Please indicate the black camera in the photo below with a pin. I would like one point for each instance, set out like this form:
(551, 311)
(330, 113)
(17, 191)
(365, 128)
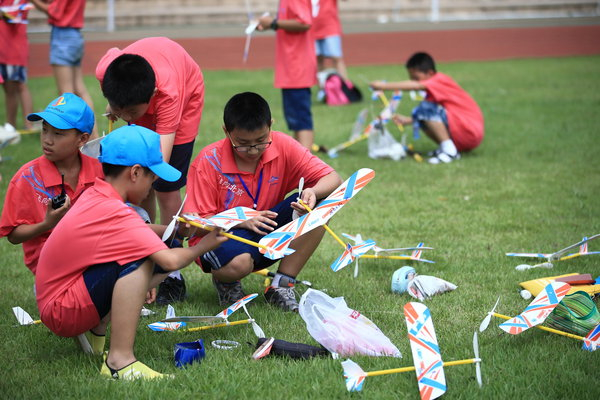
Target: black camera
(59, 201)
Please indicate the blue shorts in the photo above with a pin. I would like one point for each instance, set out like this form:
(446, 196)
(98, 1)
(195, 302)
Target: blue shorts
(66, 46)
(428, 111)
(296, 109)
(181, 155)
(331, 46)
(100, 280)
(16, 73)
(223, 254)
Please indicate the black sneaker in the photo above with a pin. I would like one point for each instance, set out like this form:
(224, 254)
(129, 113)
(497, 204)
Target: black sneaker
(228, 293)
(171, 290)
(282, 297)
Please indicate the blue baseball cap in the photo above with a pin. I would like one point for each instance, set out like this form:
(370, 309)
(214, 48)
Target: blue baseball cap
(67, 111)
(133, 144)
(400, 279)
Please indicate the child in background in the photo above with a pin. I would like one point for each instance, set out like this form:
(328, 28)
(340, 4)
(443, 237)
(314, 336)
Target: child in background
(106, 275)
(66, 45)
(327, 32)
(155, 83)
(14, 54)
(295, 64)
(28, 216)
(256, 167)
(448, 115)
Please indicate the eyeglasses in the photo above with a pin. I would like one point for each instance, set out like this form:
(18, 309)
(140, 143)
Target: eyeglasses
(246, 149)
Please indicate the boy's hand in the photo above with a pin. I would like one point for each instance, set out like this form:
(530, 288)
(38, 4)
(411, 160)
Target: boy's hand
(110, 115)
(402, 119)
(264, 22)
(377, 85)
(53, 216)
(212, 240)
(150, 296)
(309, 198)
(263, 224)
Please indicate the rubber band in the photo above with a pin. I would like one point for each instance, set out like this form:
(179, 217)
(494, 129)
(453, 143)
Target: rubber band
(225, 344)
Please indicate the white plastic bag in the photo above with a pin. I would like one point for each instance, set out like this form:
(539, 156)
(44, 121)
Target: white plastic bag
(423, 287)
(383, 145)
(342, 330)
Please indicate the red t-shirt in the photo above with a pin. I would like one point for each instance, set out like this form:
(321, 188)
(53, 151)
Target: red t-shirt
(66, 13)
(29, 193)
(177, 104)
(327, 21)
(465, 119)
(14, 46)
(295, 60)
(100, 228)
(213, 181)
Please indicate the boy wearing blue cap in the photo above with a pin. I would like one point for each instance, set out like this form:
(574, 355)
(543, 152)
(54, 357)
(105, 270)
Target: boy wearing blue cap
(110, 265)
(29, 214)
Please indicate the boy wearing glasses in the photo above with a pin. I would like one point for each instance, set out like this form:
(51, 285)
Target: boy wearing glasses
(256, 167)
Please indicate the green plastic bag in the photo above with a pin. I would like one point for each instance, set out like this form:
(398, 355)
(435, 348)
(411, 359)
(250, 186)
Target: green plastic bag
(576, 313)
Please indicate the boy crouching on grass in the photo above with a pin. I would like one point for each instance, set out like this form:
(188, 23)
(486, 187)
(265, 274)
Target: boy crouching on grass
(99, 262)
(28, 215)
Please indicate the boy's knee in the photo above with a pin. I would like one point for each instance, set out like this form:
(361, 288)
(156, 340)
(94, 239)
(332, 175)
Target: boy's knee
(241, 265)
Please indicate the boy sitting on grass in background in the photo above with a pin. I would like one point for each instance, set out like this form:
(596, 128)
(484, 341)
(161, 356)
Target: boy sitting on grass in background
(110, 265)
(448, 115)
(256, 167)
(28, 216)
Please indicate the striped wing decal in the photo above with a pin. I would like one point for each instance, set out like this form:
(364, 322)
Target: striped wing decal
(425, 351)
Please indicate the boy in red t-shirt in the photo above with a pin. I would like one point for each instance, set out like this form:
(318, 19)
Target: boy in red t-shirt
(29, 214)
(256, 167)
(295, 64)
(155, 83)
(110, 266)
(66, 45)
(327, 32)
(449, 116)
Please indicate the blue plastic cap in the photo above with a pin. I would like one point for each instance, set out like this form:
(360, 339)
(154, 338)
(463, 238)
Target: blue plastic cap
(400, 279)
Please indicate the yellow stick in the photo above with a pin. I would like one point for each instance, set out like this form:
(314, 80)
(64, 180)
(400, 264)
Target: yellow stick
(407, 369)
(386, 257)
(221, 325)
(569, 257)
(386, 103)
(229, 235)
(544, 328)
(327, 228)
(110, 125)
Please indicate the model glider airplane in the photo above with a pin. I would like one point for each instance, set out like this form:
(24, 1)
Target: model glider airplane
(557, 256)
(15, 14)
(23, 317)
(280, 239)
(351, 253)
(173, 323)
(538, 310)
(591, 341)
(427, 359)
(252, 25)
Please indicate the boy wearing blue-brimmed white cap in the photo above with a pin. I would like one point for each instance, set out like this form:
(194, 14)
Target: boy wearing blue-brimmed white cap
(110, 266)
(28, 215)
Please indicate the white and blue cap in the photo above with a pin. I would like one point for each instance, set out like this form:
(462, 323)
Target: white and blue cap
(133, 144)
(400, 279)
(67, 111)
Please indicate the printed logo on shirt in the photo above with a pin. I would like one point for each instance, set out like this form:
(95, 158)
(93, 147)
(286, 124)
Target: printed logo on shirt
(274, 180)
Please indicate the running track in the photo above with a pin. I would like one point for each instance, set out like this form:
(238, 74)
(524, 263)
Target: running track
(373, 48)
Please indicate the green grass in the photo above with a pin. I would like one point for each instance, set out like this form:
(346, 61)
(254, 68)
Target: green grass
(532, 186)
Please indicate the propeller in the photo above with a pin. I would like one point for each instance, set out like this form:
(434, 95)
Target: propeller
(257, 329)
(486, 321)
(477, 359)
(173, 223)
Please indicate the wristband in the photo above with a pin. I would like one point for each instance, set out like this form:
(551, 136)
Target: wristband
(274, 25)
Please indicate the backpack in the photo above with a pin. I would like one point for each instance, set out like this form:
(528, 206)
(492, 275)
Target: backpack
(339, 92)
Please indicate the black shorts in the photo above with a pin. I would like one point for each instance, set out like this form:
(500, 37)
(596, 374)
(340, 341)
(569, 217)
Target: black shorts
(181, 155)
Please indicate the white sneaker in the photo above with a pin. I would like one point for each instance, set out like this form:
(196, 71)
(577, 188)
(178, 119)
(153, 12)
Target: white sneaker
(9, 135)
(440, 157)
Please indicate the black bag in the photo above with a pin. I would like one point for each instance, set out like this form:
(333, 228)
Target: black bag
(294, 350)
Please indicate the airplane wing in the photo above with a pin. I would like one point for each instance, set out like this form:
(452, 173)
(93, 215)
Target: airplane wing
(209, 319)
(538, 310)
(351, 253)
(232, 217)
(237, 305)
(281, 238)
(167, 326)
(354, 375)
(591, 342)
(529, 255)
(425, 351)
